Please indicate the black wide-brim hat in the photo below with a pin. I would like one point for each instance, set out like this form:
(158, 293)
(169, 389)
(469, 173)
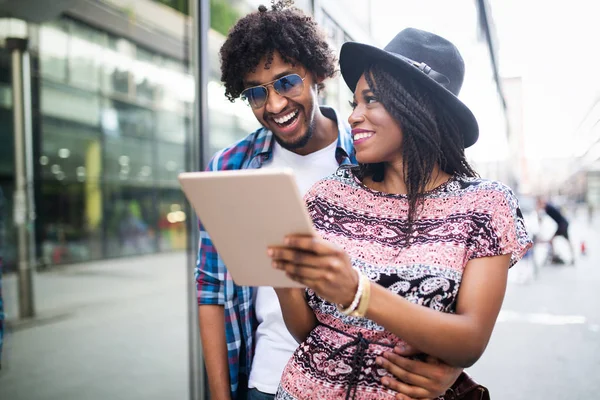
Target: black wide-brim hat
(423, 56)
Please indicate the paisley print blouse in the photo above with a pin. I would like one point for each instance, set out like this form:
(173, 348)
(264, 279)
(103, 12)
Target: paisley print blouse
(463, 219)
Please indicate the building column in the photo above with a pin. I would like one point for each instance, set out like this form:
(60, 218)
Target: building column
(24, 211)
(196, 156)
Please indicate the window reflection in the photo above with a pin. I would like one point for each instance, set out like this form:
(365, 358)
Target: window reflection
(113, 130)
(118, 62)
(171, 127)
(130, 220)
(129, 160)
(70, 215)
(53, 51)
(85, 50)
(171, 162)
(171, 223)
(146, 75)
(132, 120)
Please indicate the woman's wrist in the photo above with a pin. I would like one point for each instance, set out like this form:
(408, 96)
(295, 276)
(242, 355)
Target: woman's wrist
(349, 309)
(365, 298)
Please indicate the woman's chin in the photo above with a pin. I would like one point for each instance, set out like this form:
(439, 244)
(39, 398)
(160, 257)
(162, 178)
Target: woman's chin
(367, 159)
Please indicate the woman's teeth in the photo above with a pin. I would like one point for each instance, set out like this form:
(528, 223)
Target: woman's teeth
(363, 135)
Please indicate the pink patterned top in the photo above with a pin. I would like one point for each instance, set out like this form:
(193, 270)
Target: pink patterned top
(463, 219)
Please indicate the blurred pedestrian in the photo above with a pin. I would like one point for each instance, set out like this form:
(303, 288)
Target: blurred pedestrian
(277, 60)
(562, 229)
(400, 235)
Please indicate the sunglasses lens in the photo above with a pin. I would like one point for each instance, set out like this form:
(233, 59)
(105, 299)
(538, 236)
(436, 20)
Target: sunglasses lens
(290, 85)
(255, 96)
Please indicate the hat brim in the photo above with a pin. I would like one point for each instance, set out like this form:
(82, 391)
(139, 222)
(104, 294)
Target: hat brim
(355, 57)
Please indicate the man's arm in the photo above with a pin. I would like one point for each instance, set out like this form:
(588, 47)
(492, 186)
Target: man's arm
(214, 348)
(210, 281)
(299, 318)
(417, 379)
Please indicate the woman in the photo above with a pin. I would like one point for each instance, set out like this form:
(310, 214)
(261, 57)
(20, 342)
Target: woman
(400, 233)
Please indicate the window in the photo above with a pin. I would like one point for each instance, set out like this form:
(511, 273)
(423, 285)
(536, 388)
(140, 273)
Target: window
(129, 160)
(53, 51)
(85, 50)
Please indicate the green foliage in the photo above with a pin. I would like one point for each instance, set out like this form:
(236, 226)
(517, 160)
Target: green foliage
(222, 16)
(180, 5)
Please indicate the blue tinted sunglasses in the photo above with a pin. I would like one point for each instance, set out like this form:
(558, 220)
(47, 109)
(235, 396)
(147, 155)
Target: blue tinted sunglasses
(287, 86)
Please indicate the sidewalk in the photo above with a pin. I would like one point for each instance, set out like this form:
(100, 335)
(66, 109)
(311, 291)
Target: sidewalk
(115, 329)
(546, 343)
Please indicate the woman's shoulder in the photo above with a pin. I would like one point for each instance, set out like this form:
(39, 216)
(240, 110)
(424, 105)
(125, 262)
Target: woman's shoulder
(339, 181)
(343, 176)
(484, 190)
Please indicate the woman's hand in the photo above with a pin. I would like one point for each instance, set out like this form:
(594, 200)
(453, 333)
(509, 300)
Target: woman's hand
(319, 265)
(425, 379)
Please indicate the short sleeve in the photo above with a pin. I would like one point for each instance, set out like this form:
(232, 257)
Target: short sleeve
(499, 227)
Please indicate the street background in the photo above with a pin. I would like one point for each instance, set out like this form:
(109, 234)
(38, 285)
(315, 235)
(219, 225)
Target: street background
(95, 344)
(105, 97)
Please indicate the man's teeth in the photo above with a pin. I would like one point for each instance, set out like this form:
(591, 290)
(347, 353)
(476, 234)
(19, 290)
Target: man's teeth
(363, 135)
(286, 118)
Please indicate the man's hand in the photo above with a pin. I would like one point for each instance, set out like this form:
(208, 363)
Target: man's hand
(416, 379)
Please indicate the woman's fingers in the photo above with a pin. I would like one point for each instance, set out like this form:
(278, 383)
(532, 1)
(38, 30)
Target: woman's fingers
(311, 244)
(299, 271)
(295, 256)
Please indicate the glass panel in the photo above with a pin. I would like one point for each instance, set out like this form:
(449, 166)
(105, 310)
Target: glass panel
(172, 234)
(7, 149)
(130, 220)
(176, 86)
(85, 50)
(53, 51)
(130, 160)
(65, 102)
(124, 119)
(170, 127)
(67, 234)
(70, 215)
(171, 162)
(118, 64)
(146, 74)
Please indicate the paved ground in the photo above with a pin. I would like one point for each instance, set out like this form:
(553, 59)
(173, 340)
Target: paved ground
(546, 344)
(118, 330)
(107, 330)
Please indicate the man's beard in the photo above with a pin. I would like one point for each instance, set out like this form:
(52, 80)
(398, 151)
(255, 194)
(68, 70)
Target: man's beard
(300, 142)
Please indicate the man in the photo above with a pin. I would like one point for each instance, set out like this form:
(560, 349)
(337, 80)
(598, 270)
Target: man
(562, 227)
(277, 61)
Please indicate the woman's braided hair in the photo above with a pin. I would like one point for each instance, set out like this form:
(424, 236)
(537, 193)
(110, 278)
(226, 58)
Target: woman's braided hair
(283, 29)
(430, 134)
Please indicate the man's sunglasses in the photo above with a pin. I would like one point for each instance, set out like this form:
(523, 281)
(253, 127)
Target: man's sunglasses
(289, 86)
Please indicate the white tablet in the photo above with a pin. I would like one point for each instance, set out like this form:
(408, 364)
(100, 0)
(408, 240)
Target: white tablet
(246, 211)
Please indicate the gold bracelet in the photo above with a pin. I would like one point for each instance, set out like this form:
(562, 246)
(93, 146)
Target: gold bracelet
(363, 304)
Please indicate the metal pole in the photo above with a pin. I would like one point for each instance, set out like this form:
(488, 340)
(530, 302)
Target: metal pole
(197, 148)
(24, 212)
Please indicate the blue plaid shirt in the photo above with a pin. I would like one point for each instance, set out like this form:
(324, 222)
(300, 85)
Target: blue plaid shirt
(213, 282)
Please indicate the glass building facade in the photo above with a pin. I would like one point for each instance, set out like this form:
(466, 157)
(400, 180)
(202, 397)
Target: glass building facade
(111, 120)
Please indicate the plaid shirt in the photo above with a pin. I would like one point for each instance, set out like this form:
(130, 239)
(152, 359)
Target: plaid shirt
(213, 282)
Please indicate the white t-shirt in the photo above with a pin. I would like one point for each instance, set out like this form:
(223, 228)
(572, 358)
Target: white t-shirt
(274, 344)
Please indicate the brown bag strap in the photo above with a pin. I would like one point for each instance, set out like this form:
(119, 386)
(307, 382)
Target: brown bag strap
(465, 388)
